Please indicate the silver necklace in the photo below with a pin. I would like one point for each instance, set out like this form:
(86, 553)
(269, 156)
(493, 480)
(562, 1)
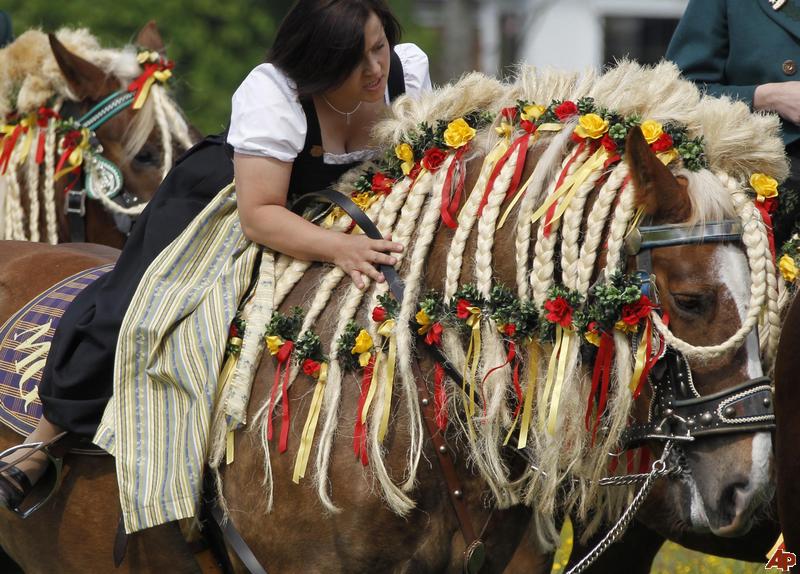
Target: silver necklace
(340, 112)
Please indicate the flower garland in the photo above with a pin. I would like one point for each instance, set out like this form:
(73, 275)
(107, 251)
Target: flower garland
(368, 188)
(282, 332)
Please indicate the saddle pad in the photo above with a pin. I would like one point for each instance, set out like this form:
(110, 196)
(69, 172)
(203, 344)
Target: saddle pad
(24, 344)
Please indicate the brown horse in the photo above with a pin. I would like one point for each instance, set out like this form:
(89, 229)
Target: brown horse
(70, 74)
(353, 529)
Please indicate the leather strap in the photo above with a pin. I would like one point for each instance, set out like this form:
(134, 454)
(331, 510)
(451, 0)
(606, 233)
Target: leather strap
(120, 543)
(236, 542)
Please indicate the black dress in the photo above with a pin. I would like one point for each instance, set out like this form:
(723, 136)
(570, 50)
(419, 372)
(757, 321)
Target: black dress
(77, 380)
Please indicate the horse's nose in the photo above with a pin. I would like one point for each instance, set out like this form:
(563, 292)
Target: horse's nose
(733, 508)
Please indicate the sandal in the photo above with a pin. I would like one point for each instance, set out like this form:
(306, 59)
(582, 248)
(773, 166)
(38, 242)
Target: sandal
(14, 485)
(45, 487)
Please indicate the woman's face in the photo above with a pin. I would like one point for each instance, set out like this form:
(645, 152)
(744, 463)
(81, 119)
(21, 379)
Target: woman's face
(367, 82)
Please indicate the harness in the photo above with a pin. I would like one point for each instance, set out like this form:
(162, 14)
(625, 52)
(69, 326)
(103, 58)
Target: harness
(101, 176)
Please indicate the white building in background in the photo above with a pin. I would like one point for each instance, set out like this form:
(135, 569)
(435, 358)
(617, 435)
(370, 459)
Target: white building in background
(569, 34)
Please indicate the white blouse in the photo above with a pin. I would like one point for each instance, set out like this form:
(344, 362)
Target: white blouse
(267, 118)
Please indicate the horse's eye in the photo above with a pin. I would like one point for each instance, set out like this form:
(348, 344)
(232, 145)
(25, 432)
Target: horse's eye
(146, 156)
(691, 303)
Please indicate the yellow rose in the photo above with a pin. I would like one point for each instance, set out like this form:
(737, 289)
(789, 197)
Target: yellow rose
(363, 343)
(764, 186)
(788, 268)
(274, 344)
(591, 126)
(593, 337)
(364, 200)
(458, 133)
(423, 321)
(667, 157)
(625, 328)
(532, 112)
(405, 153)
(651, 130)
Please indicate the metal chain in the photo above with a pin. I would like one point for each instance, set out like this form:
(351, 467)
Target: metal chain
(659, 469)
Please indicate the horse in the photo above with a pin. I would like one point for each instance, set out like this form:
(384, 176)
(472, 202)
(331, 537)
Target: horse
(83, 150)
(380, 501)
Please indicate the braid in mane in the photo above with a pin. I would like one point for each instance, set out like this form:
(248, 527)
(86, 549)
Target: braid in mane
(33, 192)
(49, 183)
(15, 214)
(163, 128)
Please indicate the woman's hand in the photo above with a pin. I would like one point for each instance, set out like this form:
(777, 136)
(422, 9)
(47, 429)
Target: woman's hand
(783, 98)
(359, 255)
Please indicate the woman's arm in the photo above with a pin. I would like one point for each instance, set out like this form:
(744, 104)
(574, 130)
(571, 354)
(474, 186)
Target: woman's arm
(262, 184)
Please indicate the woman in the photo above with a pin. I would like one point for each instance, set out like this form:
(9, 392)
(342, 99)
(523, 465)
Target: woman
(298, 122)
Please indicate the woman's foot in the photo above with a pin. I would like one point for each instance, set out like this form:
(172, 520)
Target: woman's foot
(17, 480)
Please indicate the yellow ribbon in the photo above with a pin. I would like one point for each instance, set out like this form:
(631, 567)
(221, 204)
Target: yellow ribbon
(641, 357)
(160, 76)
(551, 374)
(552, 127)
(471, 364)
(225, 376)
(27, 122)
(387, 330)
(527, 398)
(229, 455)
(310, 427)
(570, 185)
(558, 386)
(517, 196)
(637, 218)
(76, 157)
(274, 343)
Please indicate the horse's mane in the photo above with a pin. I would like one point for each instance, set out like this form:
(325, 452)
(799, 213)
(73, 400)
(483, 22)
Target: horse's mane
(30, 78)
(737, 143)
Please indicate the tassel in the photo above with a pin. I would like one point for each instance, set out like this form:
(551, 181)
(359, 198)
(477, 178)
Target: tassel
(284, 352)
(601, 376)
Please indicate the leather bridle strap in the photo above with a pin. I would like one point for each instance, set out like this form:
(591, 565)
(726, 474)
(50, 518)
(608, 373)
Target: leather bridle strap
(474, 555)
(236, 541)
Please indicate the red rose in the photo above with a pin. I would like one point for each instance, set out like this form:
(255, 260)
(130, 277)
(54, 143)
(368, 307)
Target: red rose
(381, 183)
(663, 143)
(433, 159)
(635, 312)
(434, 334)
(509, 114)
(559, 311)
(510, 329)
(566, 110)
(311, 367)
(379, 314)
(528, 126)
(608, 143)
(233, 331)
(462, 311)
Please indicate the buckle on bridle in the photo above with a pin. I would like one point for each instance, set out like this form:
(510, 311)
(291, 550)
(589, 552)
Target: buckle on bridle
(75, 202)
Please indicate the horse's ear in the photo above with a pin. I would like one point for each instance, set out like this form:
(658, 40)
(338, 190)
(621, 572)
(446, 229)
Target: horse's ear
(150, 38)
(662, 195)
(86, 80)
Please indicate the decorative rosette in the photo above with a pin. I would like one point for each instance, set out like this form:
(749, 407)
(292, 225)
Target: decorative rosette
(280, 338)
(308, 354)
(429, 326)
(156, 68)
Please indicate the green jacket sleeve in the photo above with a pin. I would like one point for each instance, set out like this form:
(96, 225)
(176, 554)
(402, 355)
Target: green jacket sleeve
(700, 48)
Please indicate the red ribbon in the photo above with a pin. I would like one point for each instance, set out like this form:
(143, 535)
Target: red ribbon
(8, 148)
(644, 459)
(651, 359)
(552, 210)
(282, 357)
(764, 210)
(43, 117)
(451, 196)
(150, 68)
(601, 377)
(360, 436)
(439, 397)
(520, 146)
(512, 353)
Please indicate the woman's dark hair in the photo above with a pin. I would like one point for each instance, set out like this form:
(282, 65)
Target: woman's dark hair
(320, 42)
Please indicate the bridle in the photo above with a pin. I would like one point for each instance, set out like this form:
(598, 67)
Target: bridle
(677, 411)
(100, 176)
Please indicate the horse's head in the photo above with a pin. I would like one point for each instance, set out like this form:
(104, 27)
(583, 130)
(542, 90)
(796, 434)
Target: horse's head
(704, 287)
(142, 143)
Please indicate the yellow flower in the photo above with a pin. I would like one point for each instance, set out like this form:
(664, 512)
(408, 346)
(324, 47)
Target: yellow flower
(363, 342)
(458, 133)
(788, 268)
(593, 337)
(591, 126)
(364, 200)
(423, 321)
(667, 157)
(532, 112)
(764, 186)
(504, 130)
(625, 328)
(651, 130)
(405, 153)
(274, 343)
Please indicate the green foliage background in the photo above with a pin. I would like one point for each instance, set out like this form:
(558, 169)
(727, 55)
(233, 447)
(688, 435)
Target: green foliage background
(214, 43)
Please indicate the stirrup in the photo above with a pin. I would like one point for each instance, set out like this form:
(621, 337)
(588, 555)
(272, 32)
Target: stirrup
(56, 465)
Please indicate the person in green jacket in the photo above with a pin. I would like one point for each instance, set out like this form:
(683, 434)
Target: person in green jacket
(747, 50)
